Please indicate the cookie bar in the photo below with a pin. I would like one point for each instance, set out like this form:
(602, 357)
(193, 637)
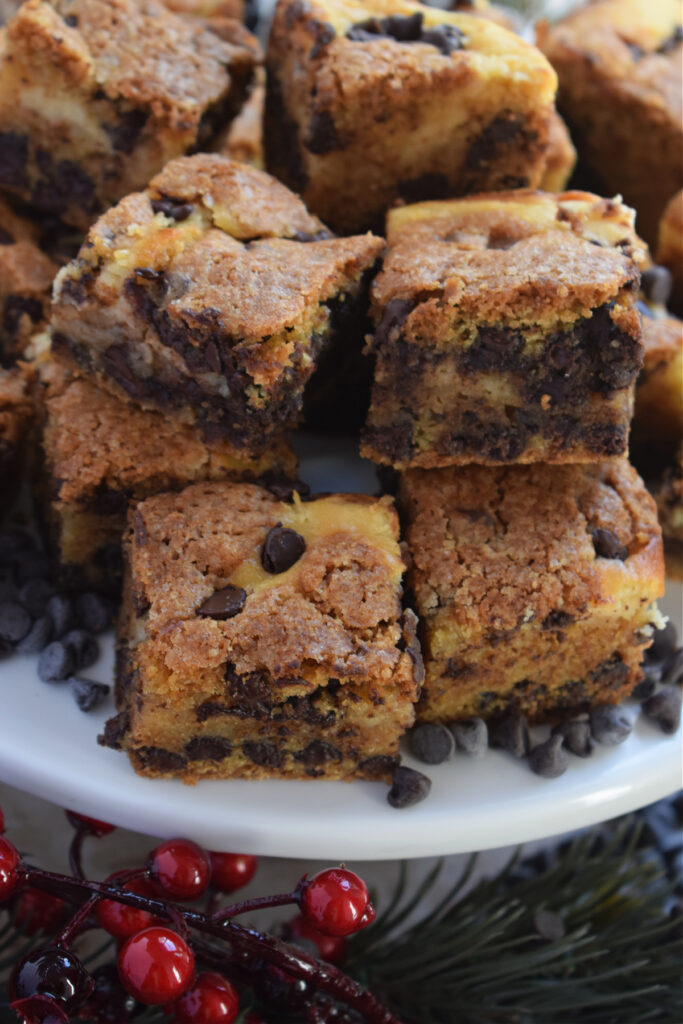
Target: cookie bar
(535, 586)
(560, 157)
(659, 392)
(244, 141)
(370, 103)
(26, 275)
(620, 88)
(210, 296)
(506, 330)
(17, 413)
(668, 492)
(102, 453)
(275, 645)
(670, 247)
(97, 95)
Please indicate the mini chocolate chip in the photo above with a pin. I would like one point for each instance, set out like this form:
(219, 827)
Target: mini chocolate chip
(84, 647)
(61, 611)
(577, 737)
(172, 208)
(432, 743)
(549, 925)
(71, 20)
(147, 273)
(656, 285)
(322, 136)
(55, 663)
(609, 725)
(15, 622)
(549, 759)
(664, 709)
(88, 694)
(283, 488)
(114, 731)
(282, 548)
(37, 638)
(408, 787)
(471, 737)
(607, 544)
(511, 734)
(673, 668)
(446, 38)
(208, 748)
(35, 594)
(652, 675)
(319, 752)
(664, 643)
(265, 754)
(224, 603)
(5, 237)
(94, 612)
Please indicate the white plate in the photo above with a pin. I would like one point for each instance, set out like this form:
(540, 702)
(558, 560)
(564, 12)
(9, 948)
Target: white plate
(47, 747)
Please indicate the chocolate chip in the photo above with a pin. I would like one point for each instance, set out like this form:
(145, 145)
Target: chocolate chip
(510, 733)
(322, 136)
(408, 787)
(664, 709)
(94, 612)
(655, 283)
(13, 157)
(87, 693)
(15, 622)
(446, 38)
(84, 648)
(283, 547)
(208, 748)
(283, 488)
(652, 675)
(265, 755)
(549, 759)
(549, 925)
(114, 730)
(664, 643)
(159, 759)
(224, 603)
(71, 20)
(37, 638)
(577, 736)
(673, 668)
(5, 237)
(147, 273)
(432, 743)
(172, 208)
(125, 133)
(607, 544)
(317, 236)
(35, 594)
(61, 611)
(557, 619)
(319, 752)
(404, 28)
(471, 737)
(55, 663)
(609, 725)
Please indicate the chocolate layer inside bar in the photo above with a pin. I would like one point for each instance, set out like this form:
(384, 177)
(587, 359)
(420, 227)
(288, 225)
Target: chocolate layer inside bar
(551, 389)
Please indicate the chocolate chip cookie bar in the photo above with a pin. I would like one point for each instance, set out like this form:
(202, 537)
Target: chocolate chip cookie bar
(668, 492)
(619, 64)
(17, 415)
(535, 586)
(370, 103)
(101, 453)
(97, 95)
(26, 275)
(670, 247)
(275, 645)
(659, 392)
(506, 330)
(210, 297)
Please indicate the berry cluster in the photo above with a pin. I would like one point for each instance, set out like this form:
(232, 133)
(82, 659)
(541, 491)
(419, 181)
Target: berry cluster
(168, 955)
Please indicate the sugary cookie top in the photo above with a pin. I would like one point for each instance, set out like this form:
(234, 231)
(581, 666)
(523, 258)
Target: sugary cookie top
(508, 545)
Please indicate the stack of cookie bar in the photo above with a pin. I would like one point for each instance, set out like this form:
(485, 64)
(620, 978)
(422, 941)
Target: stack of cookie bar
(202, 309)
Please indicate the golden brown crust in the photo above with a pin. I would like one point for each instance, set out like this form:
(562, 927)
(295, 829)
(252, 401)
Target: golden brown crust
(670, 247)
(659, 392)
(620, 69)
(500, 557)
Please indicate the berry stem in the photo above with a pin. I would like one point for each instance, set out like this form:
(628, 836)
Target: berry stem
(256, 903)
(76, 852)
(75, 925)
(246, 941)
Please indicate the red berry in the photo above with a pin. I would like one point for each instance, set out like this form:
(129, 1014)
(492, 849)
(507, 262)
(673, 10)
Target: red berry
(334, 901)
(93, 825)
(9, 868)
(180, 868)
(156, 966)
(212, 1000)
(36, 910)
(50, 975)
(231, 871)
(122, 921)
(331, 948)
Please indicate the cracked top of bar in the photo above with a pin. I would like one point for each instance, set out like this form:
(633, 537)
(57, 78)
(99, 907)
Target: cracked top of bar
(511, 257)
